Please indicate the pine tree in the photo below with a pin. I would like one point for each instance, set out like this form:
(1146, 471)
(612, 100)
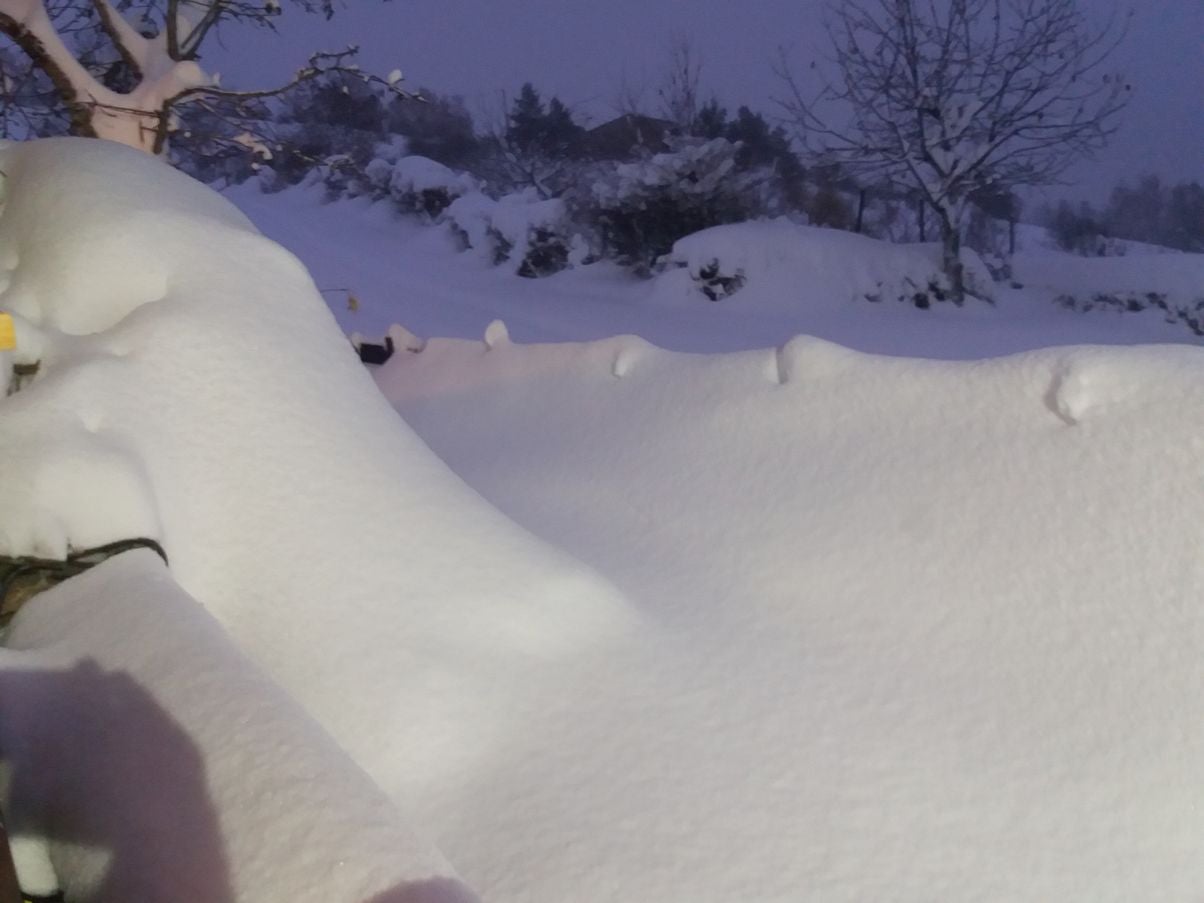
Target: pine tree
(711, 121)
(526, 123)
(561, 136)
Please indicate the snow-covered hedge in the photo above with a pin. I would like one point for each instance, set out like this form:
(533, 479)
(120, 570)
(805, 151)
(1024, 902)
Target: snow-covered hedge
(418, 185)
(532, 235)
(638, 210)
(788, 260)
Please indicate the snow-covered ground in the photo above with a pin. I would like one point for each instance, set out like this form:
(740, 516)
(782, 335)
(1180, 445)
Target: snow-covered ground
(400, 271)
(919, 630)
(782, 621)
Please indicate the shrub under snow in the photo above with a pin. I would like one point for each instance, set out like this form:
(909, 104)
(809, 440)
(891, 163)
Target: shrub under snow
(784, 257)
(638, 210)
(531, 234)
(418, 185)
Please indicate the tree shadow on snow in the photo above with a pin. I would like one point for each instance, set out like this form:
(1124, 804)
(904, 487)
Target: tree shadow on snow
(435, 890)
(80, 748)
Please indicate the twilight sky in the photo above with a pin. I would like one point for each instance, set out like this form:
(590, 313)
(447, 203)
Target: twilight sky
(584, 51)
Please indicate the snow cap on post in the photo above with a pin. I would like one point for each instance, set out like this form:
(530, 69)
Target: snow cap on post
(496, 334)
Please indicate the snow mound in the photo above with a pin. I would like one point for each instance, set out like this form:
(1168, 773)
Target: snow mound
(1168, 286)
(924, 630)
(1179, 276)
(417, 174)
(777, 262)
(194, 387)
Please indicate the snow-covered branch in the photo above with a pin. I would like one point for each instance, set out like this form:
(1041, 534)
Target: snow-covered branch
(159, 55)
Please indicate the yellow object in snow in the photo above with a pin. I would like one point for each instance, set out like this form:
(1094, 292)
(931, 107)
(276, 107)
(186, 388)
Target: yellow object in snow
(8, 333)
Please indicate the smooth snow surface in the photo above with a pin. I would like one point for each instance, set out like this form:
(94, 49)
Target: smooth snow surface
(867, 628)
(1178, 276)
(921, 630)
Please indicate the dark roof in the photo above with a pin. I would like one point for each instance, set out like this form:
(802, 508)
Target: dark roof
(626, 136)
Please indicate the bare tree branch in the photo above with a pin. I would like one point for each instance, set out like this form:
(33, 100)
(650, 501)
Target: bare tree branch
(679, 89)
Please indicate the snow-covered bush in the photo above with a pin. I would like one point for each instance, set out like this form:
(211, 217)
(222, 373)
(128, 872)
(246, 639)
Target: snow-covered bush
(1189, 313)
(784, 260)
(715, 283)
(379, 169)
(418, 185)
(308, 156)
(638, 210)
(470, 219)
(534, 236)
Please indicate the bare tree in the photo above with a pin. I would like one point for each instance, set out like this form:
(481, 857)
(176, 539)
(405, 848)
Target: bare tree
(628, 98)
(949, 97)
(678, 92)
(154, 59)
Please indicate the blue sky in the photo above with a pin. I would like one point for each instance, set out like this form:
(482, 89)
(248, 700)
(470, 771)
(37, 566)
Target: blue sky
(585, 52)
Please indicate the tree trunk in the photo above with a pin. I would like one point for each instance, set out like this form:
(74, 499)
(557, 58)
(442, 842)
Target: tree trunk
(951, 259)
(43, 57)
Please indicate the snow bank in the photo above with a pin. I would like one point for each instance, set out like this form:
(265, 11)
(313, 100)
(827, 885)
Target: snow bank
(1169, 287)
(1037, 239)
(163, 766)
(194, 387)
(1179, 276)
(778, 262)
(923, 630)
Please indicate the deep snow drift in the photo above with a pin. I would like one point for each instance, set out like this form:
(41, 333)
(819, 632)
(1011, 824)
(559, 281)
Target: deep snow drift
(194, 387)
(886, 629)
(922, 630)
